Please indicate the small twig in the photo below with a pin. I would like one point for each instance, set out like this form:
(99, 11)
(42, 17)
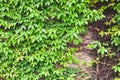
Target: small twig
(104, 63)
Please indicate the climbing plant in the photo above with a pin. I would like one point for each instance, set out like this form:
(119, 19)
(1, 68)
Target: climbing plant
(34, 36)
(111, 48)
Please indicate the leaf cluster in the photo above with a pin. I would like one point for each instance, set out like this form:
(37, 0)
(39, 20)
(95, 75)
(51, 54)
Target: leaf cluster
(34, 36)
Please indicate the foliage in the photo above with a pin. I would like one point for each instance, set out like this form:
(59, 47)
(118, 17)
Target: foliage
(117, 79)
(107, 49)
(34, 33)
(115, 35)
(71, 71)
(101, 47)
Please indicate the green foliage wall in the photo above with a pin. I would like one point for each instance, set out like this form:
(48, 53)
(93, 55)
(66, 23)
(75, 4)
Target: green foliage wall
(34, 33)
